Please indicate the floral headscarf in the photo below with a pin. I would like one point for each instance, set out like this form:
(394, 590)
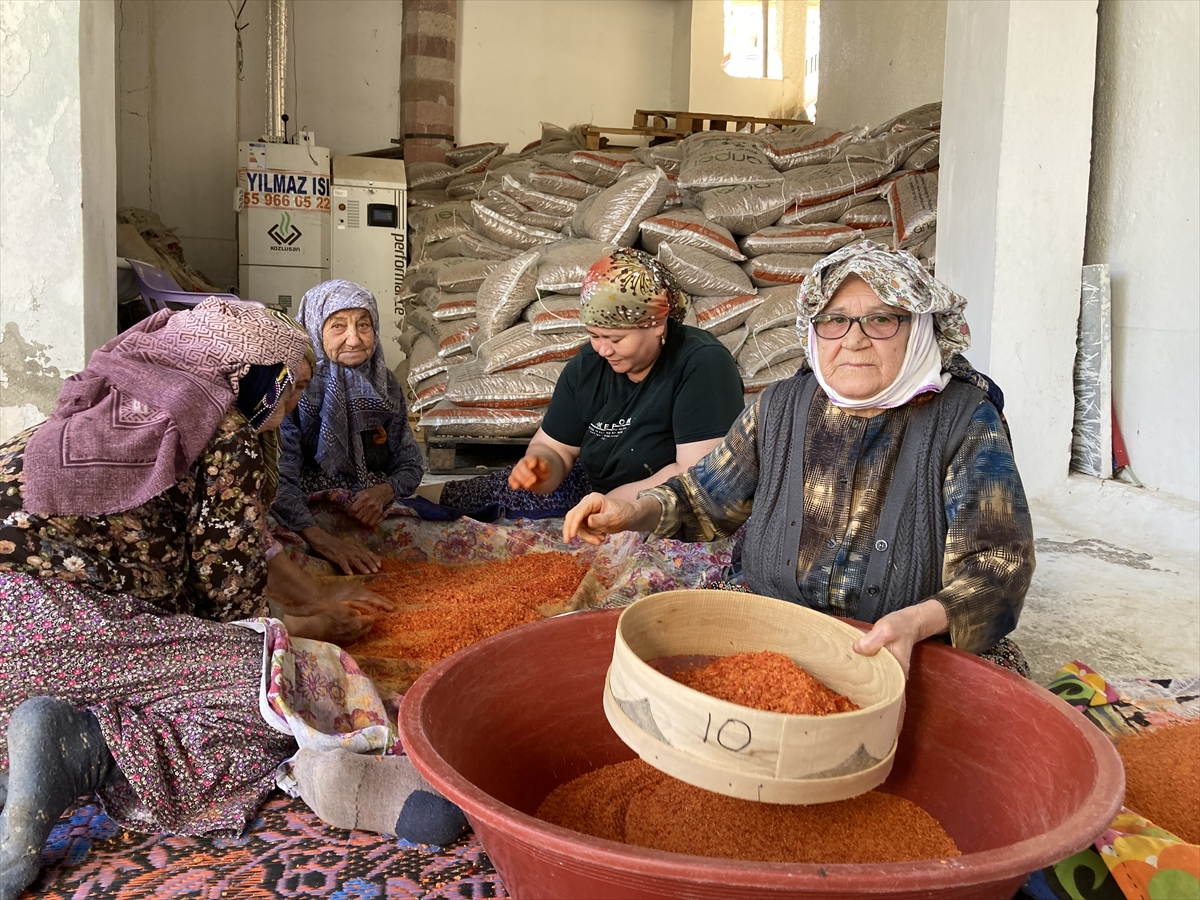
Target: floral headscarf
(630, 289)
(898, 279)
(341, 402)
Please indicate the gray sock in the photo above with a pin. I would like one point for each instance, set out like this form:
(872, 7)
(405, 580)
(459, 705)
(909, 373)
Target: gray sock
(56, 753)
(384, 794)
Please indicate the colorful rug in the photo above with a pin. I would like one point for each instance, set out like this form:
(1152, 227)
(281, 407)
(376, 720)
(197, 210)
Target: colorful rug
(1133, 860)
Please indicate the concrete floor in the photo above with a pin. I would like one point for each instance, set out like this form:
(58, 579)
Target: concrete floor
(1117, 584)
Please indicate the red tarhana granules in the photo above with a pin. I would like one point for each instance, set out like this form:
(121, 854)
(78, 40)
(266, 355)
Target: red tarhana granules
(442, 608)
(633, 803)
(765, 680)
(1162, 778)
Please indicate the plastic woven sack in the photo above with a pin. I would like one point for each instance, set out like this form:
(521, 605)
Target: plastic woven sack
(667, 156)
(538, 200)
(459, 274)
(602, 167)
(807, 145)
(823, 238)
(721, 315)
(702, 274)
(689, 228)
(734, 340)
(875, 214)
(473, 153)
(926, 155)
(809, 185)
(447, 220)
(477, 246)
(778, 309)
(425, 199)
(564, 264)
(560, 183)
(745, 208)
(781, 268)
(466, 187)
(928, 116)
(424, 360)
(446, 419)
(768, 348)
(428, 392)
(617, 211)
(505, 293)
(503, 202)
(768, 375)
(457, 338)
(717, 159)
(519, 346)
(451, 307)
(829, 211)
(428, 176)
(555, 314)
(526, 388)
(505, 230)
(912, 203)
(890, 149)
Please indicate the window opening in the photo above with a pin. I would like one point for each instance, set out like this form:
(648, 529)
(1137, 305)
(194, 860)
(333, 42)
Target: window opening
(753, 39)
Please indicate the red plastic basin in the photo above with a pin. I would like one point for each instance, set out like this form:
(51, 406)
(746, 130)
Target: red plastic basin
(1018, 778)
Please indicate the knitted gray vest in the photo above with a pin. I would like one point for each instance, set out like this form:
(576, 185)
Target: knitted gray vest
(906, 563)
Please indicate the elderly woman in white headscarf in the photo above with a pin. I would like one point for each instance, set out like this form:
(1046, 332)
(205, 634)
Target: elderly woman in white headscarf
(878, 483)
(350, 430)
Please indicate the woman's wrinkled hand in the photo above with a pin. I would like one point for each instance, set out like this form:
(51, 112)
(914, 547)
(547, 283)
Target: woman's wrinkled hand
(351, 557)
(368, 506)
(336, 623)
(529, 473)
(597, 515)
(898, 631)
(355, 594)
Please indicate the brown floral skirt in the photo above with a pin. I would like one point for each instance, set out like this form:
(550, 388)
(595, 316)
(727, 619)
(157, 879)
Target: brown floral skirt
(176, 698)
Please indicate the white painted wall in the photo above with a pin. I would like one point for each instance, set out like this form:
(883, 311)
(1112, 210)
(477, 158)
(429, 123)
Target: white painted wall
(183, 109)
(879, 58)
(1017, 125)
(522, 62)
(57, 198)
(1142, 220)
(714, 91)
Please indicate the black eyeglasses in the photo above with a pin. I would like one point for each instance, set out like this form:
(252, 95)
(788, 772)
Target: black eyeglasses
(879, 326)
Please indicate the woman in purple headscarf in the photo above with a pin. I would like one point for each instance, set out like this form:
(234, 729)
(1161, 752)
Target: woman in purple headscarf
(645, 399)
(351, 429)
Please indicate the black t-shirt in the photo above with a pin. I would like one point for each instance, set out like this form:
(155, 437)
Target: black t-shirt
(627, 431)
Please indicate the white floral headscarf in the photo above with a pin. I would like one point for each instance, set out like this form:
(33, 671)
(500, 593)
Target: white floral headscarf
(898, 279)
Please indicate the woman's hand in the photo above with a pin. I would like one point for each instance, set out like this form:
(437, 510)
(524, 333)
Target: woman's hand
(354, 594)
(337, 623)
(369, 506)
(530, 472)
(898, 631)
(352, 558)
(597, 515)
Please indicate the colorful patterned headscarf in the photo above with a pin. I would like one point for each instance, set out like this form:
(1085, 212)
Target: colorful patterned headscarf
(341, 402)
(630, 289)
(898, 279)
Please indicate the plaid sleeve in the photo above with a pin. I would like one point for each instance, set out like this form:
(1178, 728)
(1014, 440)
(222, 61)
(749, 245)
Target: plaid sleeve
(713, 498)
(989, 541)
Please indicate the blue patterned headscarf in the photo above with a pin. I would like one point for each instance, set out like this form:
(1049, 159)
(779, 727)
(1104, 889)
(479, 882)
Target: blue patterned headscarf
(341, 402)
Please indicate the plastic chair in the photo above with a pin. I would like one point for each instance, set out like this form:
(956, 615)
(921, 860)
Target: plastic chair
(158, 289)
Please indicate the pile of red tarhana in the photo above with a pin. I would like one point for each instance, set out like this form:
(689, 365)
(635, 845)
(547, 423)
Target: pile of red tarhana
(765, 680)
(441, 609)
(635, 804)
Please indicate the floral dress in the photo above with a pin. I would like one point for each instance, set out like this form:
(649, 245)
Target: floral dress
(197, 548)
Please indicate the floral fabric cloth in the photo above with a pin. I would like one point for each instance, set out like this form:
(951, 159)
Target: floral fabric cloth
(198, 547)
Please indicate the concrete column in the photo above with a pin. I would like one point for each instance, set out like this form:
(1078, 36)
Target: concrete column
(57, 198)
(1012, 205)
(427, 78)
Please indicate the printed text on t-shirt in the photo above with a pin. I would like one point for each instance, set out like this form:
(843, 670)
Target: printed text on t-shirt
(606, 430)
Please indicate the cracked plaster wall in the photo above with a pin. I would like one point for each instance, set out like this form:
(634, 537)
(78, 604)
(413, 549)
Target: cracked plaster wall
(57, 198)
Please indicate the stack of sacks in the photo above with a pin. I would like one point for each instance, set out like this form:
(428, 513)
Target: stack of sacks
(500, 244)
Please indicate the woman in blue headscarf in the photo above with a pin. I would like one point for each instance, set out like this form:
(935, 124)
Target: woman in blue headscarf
(350, 430)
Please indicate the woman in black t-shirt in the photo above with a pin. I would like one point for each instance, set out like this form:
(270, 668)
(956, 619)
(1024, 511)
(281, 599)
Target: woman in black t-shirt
(647, 399)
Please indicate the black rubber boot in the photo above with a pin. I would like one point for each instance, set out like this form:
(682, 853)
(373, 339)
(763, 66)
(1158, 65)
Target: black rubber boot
(56, 753)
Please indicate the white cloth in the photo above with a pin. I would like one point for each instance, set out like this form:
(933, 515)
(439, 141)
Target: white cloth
(921, 371)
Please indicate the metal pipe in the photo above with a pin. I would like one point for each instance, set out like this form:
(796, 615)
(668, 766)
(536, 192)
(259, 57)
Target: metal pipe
(275, 130)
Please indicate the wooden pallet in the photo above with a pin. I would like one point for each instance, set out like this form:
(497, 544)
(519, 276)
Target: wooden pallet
(443, 452)
(684, 123)
(592, 135)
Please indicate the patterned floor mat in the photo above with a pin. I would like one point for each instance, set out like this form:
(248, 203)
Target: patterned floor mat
(286, 852)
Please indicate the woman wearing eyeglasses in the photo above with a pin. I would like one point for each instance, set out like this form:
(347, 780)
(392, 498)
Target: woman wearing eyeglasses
(877, 484)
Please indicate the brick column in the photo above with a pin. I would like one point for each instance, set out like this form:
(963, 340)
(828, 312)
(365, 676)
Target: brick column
(427, 78)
